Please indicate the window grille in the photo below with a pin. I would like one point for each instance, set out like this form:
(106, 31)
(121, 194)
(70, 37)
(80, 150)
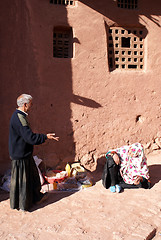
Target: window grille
(129, 4)
(63, 2)
(125, 48)
(62, 42)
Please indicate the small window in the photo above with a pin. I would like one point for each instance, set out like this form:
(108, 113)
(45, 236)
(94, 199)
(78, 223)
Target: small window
(63, 2)
(62, 42)
(128, 4)
(125, 42)
(132, 66)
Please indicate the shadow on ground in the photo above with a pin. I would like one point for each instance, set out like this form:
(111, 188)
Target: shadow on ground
(155, 173)
(52, 198)
(3, 195)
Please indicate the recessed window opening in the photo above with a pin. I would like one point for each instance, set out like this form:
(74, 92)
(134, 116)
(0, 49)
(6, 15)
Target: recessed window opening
(62, 42)
(63, 2)
(125, 42)
(127, 4)
(132, 66)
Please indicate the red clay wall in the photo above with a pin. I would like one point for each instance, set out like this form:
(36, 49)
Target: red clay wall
(90, 108)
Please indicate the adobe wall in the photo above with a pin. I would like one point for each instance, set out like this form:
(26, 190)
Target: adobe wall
(88, 106)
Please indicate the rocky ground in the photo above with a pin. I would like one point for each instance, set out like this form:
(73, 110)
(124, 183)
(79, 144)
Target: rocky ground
(93, 213)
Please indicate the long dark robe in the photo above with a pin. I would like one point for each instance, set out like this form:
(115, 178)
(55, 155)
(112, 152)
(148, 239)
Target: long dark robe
(25, 184)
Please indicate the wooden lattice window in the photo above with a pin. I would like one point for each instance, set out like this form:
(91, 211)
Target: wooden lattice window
(126, 48)
(62, 42)
(129, 4)
(63, 2)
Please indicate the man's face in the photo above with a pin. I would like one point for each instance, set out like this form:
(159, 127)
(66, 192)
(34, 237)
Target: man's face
(28, 106)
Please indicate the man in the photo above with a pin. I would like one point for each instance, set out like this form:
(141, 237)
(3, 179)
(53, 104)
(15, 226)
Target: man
(25, 182)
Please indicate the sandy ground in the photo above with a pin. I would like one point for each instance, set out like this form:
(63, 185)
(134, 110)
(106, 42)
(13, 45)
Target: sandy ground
(93, 213)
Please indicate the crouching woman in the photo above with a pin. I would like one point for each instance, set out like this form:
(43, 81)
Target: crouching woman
(126, 167)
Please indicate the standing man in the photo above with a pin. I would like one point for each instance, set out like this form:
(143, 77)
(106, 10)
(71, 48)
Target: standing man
(25, 182)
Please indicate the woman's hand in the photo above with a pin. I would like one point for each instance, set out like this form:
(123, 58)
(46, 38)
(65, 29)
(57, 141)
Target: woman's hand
(51, 136)
(137, 180)
(116, 158)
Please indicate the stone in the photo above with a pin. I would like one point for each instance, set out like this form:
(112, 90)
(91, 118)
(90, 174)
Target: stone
(88, 162)
(154, 146)
(158, 142)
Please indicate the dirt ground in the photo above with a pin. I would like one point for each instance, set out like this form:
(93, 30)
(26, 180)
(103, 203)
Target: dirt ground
(93, 213)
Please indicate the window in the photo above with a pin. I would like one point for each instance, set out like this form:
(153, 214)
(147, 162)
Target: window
(63, 2)
(129, 4)
(125, 48)
(62, 42)
(125, 42)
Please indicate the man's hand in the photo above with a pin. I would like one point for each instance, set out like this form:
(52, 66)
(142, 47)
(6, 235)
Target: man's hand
(51, 136)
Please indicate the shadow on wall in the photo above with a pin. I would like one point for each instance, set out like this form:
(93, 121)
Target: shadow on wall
(110, 9)
(97, 174)
(18, 66)
(85, 101)
(37, 72)
(55, 89)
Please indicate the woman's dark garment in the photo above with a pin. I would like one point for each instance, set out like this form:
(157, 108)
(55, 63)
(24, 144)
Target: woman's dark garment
(111, 174)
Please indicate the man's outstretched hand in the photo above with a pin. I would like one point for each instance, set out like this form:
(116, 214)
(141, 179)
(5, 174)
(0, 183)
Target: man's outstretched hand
(51, 136)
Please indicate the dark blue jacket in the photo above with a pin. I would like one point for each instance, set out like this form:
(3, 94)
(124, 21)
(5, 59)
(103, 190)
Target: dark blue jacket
(21, 137)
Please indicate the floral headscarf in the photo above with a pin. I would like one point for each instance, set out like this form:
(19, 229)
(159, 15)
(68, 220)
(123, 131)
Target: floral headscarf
(133, 162)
